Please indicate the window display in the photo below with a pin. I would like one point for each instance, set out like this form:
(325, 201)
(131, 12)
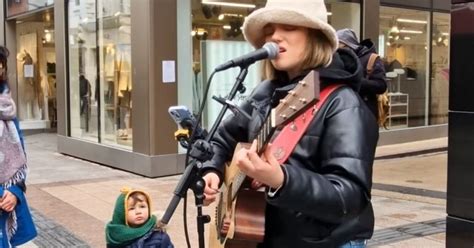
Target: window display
(36, 85)
(100, 71)
(440, 69)
(404, 49)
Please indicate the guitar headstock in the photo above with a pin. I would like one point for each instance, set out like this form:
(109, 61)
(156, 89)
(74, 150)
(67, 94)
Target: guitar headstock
(303, 96)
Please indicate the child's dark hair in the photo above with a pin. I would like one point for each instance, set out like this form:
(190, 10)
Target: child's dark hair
(135, 196)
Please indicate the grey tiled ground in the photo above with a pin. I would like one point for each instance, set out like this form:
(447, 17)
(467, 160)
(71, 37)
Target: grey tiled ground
(405, 232)
(51, 234)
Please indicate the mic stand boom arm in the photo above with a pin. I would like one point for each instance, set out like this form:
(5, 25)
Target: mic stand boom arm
(201, 151)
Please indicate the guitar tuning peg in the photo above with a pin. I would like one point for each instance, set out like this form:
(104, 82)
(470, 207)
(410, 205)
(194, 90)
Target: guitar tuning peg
(292, 92)
(303, 100)
(284, 117)
(283, 101)
(293, 108)
(303, 83)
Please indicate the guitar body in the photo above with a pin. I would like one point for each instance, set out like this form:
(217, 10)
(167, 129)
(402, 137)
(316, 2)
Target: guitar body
(238, 222)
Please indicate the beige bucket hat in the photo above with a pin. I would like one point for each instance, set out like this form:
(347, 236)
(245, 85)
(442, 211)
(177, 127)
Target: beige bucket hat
(305, 13)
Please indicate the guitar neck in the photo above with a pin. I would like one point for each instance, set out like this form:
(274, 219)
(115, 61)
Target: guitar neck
(264, 136)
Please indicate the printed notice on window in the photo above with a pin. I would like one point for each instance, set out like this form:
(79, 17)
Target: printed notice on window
(28, 71)
(169, 71)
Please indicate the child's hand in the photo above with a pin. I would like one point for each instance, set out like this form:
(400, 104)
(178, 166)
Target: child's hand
(8, 201)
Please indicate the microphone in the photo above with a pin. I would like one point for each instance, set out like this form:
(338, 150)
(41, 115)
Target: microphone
(268, 51)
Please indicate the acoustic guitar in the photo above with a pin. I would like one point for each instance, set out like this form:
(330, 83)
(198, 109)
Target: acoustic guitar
(239, 219)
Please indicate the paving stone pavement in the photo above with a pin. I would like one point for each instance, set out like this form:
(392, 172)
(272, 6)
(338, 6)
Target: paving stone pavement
(72, 199)
(51, 234)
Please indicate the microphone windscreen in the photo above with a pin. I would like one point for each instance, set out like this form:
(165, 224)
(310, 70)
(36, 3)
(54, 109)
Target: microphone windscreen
(272, 49)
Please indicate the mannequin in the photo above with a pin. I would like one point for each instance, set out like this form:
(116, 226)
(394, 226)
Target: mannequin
(125, 96)
(31, 87)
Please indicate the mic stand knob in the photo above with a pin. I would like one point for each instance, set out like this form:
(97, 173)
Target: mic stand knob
(201, 151)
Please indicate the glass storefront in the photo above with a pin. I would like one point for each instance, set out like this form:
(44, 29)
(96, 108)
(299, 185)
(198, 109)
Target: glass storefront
(36, 71)
(440, 69)
(216, 37)
(404, 48)
(418, 90)
(100, 81)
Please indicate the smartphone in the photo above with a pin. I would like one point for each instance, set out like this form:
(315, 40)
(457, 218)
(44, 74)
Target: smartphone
(185, 119)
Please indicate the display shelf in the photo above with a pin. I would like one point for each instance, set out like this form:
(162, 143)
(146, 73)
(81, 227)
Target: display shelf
(398, 110)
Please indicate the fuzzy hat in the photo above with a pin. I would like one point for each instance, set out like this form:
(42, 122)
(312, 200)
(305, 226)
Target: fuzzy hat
(118, 231)
(304, 13)
(348, 37)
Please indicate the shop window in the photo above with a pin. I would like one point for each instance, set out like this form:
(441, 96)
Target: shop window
(405, 49)
(36, 78)
(15, 7)
(214, 36)
(100, 79)
(440, 69)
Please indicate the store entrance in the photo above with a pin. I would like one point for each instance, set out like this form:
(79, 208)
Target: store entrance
(36, 70)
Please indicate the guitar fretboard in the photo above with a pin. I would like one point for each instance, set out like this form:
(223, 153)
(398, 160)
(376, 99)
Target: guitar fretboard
(264, 136)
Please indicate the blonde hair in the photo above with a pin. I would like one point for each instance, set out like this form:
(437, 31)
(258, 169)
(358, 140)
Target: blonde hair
(318, 53)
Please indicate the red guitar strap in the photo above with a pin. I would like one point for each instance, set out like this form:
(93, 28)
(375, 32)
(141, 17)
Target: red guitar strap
(285, 142)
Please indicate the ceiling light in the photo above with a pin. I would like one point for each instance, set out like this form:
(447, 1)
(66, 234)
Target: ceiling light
(445, 34)
(407, 38)
(221, 17)
(329, 13)
(227, 27)
(411, 21)
(406, 31)
(237, 5)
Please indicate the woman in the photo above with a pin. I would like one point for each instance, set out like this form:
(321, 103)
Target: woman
(319, 197)
(16, 224)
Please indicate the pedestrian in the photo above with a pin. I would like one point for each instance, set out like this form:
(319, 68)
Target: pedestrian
(320, 196)
(133, 225)
(16, 223)
(373, 83)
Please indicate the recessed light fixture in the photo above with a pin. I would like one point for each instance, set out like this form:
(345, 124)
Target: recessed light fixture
(406, 31)
(229, 4)
(411, 21)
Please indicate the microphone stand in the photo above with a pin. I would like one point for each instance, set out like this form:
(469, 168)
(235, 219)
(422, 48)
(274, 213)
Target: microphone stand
(200, 151)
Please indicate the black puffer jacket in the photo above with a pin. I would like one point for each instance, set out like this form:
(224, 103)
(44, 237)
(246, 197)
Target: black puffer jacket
(325, 199)
(375, 83)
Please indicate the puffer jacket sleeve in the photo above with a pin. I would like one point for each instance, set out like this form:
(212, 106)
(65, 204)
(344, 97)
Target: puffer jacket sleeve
(340, 187)
(235, 129)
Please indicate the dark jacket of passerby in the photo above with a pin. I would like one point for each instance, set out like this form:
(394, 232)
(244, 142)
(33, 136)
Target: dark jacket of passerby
(372, 84)
(325, 197)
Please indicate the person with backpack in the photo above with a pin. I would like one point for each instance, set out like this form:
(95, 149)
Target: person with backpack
(373, 85)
